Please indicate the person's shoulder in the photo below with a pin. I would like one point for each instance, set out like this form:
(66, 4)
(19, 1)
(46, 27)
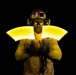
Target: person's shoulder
(53, 40)
(22, 40)
(26, 40)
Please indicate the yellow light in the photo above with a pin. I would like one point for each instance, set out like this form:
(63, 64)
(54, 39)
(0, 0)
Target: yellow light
(53, 32)
(27, 32)
(21, 33)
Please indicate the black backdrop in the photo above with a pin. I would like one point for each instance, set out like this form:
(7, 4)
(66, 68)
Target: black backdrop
(14, 14)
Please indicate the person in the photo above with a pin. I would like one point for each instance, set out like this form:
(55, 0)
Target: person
(37, 54)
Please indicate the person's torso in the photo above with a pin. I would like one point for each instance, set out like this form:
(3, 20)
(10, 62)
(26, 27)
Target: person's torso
(33, 64)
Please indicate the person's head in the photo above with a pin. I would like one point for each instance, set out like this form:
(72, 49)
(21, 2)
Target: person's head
(38, 19)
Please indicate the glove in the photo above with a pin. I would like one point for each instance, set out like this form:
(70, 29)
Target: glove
(45, 48)
(32, 50)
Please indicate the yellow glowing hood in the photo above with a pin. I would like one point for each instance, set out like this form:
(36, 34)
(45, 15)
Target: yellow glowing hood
(27, 32)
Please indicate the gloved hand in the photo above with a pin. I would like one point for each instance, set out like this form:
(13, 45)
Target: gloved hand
(32, 50)
(45, 48)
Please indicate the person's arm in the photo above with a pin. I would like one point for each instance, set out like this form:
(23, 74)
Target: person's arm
(55, 51)
(20, 53)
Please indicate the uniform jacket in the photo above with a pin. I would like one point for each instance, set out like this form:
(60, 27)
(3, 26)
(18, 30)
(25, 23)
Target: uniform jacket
(32, 63)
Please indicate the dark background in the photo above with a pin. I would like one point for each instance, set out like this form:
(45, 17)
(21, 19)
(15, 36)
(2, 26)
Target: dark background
(14, 14)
